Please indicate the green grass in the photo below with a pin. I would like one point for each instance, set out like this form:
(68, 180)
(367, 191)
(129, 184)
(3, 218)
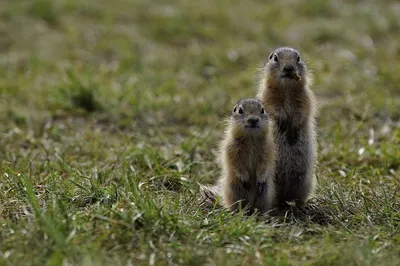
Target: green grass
(111, 112)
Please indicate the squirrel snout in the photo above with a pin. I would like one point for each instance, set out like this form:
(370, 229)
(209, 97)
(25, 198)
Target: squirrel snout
(253, 121)
(288, 68)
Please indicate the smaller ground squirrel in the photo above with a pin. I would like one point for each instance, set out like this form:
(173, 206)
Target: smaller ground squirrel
(248, 159)
(285, 93)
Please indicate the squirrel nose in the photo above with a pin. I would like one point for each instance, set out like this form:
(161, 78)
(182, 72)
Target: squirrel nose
(288, 68)
(253, 121)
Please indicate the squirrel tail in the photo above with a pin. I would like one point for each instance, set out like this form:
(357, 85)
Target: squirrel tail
(209, 195)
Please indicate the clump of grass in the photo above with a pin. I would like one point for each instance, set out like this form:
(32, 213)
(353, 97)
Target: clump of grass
(16, 118)
(46, 10)
(80, 94)
(84, 98)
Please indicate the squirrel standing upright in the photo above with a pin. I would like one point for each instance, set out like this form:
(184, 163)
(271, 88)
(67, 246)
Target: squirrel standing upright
(285, 94)
(247, 157)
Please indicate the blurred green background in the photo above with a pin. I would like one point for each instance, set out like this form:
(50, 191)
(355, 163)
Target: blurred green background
(111, 112)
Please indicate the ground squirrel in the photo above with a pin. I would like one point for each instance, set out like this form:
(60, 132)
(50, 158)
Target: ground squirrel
(247, 159)
(285, 93)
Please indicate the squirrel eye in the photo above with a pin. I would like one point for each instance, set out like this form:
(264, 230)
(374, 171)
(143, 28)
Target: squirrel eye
(275, 58)
(262, 111)
(234, 109)
(240, 111)
(298, 58)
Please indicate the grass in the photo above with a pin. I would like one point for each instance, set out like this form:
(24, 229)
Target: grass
(111, 113)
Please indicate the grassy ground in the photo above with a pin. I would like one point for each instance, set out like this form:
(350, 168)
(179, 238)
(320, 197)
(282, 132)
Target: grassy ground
(111, 113)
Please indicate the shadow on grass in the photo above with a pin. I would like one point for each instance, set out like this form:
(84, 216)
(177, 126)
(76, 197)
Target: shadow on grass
(312, 213)
(316, 212)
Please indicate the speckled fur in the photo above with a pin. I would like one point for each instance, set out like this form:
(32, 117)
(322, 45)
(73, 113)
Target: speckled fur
(248, 160)
(292, 107)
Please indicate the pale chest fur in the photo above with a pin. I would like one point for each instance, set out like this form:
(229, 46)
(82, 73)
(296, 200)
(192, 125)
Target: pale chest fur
(247, 154)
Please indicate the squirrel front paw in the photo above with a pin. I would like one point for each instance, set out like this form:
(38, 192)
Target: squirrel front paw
(261, 187)
(245, 184)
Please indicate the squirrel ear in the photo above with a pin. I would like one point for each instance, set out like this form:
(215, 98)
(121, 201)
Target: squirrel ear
(234, 109)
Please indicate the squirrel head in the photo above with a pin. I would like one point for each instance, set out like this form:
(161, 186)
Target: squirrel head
(285, 65)
(249, 117)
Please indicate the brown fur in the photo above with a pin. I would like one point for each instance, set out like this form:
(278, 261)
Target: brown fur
(291, 105)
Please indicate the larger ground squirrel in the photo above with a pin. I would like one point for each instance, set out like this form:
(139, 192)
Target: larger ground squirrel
(248, 158)
(285, 93)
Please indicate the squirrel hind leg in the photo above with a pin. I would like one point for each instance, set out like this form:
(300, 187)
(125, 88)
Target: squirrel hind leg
(300, 204)
(242, 205)
(263, 204)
